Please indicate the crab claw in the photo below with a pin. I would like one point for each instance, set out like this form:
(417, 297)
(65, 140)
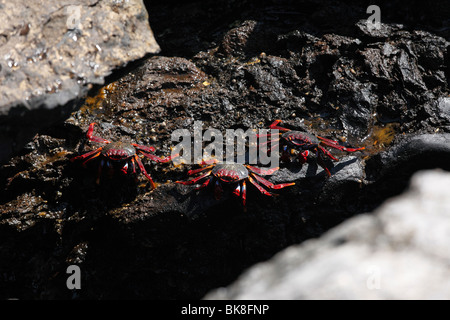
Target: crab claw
(274, 125)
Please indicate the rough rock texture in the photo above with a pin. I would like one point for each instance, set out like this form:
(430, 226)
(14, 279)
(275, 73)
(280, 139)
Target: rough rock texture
(312, 65)
(400, 251)
(52, 54)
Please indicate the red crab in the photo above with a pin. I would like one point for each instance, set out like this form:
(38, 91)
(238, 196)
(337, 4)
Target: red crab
(298, 145)
(120, 154)
(235, 175)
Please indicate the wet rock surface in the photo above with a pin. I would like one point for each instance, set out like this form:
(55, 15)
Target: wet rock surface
(52, 55)
(316, 67)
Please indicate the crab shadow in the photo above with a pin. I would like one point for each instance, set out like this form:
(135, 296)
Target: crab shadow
(294, 171)
(342, 165)
(88, 191)
(200, 203)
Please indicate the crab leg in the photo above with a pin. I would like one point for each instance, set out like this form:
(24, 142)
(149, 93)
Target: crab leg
(95, 138)
(274, 125)
(191, 172)
(327, 153)
(274, 146)
(145, 148)
(276, 143)
(244, 193)
(237, 190)
(264, 146)
(271, 135)
(133, 165)
(208, 161)
(158, 159)
(89, 159)
(261, 189)
(320, 160)
(303, 156)
(141, 167)
(94, 153)
(270, 185)
(205, 184)
(262, 171)
(240, 191)
(124, 168)
(336, 145)
(273, 138)
(194, 181)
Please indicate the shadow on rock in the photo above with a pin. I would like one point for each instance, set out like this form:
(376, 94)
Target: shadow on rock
(388, 173)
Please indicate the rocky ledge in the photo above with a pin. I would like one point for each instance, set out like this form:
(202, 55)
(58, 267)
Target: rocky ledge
(320, 69)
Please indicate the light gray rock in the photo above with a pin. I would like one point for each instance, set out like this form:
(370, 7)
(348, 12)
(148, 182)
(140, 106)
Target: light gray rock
(52, 52)
(369, 27)
(400, 251)
(63, 44)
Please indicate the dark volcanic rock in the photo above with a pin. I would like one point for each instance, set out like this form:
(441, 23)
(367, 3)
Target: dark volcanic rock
(311, 65)
(53, 54)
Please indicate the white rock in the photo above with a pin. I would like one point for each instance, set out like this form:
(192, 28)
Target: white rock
(400, 251)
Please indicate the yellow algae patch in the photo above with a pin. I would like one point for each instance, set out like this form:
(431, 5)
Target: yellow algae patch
(95, 102)
(381, 137)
